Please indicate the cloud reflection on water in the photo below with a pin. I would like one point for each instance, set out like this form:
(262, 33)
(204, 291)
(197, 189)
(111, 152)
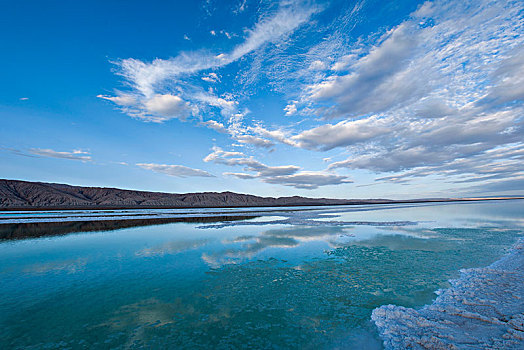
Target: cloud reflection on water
(248, 246)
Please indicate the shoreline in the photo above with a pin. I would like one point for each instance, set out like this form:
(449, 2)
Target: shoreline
(349, 203)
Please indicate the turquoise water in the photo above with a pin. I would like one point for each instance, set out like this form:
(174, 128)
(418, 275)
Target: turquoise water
(285, 279)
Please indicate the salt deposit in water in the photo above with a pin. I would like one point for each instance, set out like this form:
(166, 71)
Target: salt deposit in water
(483, 309)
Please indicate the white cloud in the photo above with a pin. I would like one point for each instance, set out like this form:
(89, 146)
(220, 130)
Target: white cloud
(166, 107)
(175, 170)
(211, 77)
(254, 141)
(344, 133)
(490, 171)
(212, 124)
(507, 81)
(308, 180)
(291, 108)
(317, 65)
(277, 135)
(155, 108)
(344, 62)
(286, 175)
(242, 176)
(368, 89)
(219, 153)
(424, 10)
(227, 106)
(74, 155)
(120, 99)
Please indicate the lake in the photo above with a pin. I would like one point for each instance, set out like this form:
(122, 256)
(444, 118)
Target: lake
(268, 278)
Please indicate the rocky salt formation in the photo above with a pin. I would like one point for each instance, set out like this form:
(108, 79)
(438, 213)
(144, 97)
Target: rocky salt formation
(483, 309)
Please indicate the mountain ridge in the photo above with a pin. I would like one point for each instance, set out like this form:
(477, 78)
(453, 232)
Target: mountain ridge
(27, 195)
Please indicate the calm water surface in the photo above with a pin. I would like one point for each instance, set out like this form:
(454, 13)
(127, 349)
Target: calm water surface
(284, 279)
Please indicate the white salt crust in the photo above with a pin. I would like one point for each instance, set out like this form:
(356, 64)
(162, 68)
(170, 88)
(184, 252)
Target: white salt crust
(483, 309)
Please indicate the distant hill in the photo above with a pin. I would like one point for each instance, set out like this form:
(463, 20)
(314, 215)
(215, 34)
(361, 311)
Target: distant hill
(26, 195)
(15, 194)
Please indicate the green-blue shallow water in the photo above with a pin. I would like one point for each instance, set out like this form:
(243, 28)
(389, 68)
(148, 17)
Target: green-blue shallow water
(301, 279)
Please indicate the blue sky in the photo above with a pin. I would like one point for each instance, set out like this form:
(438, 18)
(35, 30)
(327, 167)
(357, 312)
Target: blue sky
(349, 99)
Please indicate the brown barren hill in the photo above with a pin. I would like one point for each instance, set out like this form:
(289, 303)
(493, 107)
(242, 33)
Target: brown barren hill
(25, 195)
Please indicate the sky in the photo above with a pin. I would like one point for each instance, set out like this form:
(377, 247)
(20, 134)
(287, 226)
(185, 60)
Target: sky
(343, 99)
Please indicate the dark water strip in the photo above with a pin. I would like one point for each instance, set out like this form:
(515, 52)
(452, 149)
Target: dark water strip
(44, 229)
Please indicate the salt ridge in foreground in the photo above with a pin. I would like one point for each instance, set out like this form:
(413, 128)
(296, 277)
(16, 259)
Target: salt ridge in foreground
(484, 308)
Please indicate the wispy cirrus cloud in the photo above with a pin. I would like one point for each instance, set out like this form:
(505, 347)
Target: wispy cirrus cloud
(166, 81)
(175, 170)
(74, 155)
(77, 154)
